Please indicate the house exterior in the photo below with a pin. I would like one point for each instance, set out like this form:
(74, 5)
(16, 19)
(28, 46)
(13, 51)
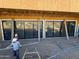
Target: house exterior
(39, 18)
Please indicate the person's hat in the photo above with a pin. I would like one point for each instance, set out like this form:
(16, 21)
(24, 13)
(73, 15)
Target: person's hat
(14, 40)
(16, 35)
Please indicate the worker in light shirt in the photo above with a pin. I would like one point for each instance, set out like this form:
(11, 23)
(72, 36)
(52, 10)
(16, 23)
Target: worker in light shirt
(15, 45)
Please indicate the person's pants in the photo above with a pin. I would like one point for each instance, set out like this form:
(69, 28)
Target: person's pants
(16, 53)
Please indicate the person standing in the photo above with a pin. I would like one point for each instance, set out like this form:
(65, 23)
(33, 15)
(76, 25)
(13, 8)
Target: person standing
(15, 45)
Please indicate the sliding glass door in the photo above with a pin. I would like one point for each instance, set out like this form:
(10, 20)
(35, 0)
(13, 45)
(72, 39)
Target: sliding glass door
(26, 29)
(55, 29)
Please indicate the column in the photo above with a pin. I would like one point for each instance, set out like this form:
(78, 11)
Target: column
(2, 31)
(12, 34)
(76, 29)
(44, 33)
(66, 30)
(38, 30)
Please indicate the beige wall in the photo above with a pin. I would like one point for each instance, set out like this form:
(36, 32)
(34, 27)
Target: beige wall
(51, 5)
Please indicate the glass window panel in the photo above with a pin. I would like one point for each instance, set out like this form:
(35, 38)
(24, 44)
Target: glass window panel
(62, 29)
(41, 29)
(35, 30)
(7, 29)
(71, 27)
(49, 29)
(28, 29)
(19, 29)
(57, 25)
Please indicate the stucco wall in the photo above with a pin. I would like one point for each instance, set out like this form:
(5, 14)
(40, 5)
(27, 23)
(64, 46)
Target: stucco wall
(50, 5)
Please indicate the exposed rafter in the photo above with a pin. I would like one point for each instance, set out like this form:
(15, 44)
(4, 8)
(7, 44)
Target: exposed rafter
(7, 11)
